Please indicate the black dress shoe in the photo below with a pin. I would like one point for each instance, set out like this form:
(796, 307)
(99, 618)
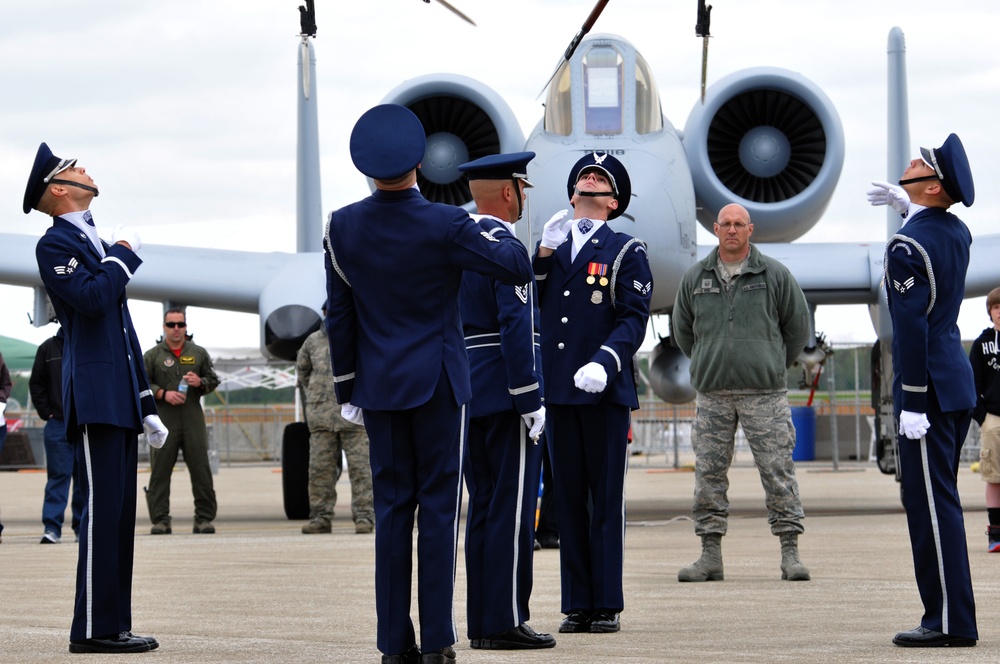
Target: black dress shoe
(549, 541)
(153, 643)
(921, 637)
(575, 621)
(411, 656)
(521, 637)
(445, 655)
(605, 621)
(110, 644)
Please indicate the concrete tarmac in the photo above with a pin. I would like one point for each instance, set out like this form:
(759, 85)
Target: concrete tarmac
(260, 591)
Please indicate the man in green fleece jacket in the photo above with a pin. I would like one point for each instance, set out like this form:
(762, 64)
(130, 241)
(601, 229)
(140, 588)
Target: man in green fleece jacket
(742, 319)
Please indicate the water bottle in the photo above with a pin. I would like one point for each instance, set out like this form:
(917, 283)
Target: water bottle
(183, 387)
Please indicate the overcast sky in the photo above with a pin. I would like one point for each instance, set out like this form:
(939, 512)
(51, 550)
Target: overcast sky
(184, 111)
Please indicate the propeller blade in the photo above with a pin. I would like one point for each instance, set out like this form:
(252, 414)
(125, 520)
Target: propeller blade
(455, 11)
(571, 49)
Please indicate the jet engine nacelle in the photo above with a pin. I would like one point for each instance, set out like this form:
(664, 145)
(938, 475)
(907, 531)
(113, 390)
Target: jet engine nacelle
(771, 140)
(670, 373)
(464, 120)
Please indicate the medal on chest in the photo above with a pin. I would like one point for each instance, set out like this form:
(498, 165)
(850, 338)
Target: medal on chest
(597, 272)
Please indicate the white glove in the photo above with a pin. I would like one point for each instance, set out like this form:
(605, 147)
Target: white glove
(591, 377)
(556, 229)
(883, 193)
(156, 433)
(126, 234)
(913, 425)
(352, 414)
(536, 422)
(3, 407)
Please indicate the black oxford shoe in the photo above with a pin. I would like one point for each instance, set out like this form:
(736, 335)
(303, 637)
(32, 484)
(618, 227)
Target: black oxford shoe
(605, 621)
(411, 656)
(445, 655)
(921, 637)
(575, 621)
(521, 637)
(153, 643)
(110, 644)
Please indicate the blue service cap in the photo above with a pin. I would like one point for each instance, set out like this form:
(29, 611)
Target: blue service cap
(46, 167)
(511, 166)
(387, 142)
(952, 167)
(612, 169)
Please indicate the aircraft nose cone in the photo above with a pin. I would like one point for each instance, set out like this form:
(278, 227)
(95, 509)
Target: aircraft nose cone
(444, 154)
(764, 151)
(286, 329)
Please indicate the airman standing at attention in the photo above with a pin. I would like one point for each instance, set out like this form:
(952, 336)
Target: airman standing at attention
(933, 388)
(394, 264)
(106, 397)
(180, 375)
(503, 457)
(594, 295)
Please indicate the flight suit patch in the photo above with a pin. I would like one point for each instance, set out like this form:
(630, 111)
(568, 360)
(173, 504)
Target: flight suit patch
(168, 361)
(187, 359)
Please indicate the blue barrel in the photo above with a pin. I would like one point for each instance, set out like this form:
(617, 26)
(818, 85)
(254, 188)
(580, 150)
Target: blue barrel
(804, 420)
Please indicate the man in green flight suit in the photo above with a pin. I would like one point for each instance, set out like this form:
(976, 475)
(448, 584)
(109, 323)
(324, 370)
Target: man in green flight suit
(180, 374)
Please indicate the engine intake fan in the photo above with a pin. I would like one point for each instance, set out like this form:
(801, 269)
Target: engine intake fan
(463, 120)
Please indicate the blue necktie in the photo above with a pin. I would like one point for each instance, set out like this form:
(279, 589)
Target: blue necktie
(585, 225)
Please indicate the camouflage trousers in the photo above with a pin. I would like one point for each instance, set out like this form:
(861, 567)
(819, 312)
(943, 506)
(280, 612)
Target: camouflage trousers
(325, 449)
(767, 424)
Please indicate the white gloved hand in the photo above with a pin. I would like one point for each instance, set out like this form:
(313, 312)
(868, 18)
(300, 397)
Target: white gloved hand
(352, 414)
(126, 234)
(536, 422)
(591, 377)
(883, 193)
(156, 433)
(3, 407)
(913, 425)
(556, 229)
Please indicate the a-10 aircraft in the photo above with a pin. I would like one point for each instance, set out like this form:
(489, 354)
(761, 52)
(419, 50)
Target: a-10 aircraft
(765, 137)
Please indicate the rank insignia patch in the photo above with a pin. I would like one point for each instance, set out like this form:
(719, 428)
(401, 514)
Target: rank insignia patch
(522, 293)
(642, 289)
(903, 287)
(70, 268)
(488, 236)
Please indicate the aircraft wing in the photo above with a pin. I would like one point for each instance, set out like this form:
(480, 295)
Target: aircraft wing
(850, 273)
(286, 289)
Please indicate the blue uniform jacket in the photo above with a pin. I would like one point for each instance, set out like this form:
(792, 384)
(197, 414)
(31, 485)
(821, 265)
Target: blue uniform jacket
(392, 315)
(501, 335)
(925, 268)
(104, 380)
(584, 322)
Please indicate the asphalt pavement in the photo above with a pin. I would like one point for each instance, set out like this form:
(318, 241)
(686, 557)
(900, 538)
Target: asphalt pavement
(260, 591)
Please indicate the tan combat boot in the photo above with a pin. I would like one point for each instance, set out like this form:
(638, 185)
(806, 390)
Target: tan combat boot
(709, 566)
(792, 568)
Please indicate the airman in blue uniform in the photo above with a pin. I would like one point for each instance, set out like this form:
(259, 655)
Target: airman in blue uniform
(933, 387)
(594, 292)
(503, 457)
(394, 264)
(106, 397)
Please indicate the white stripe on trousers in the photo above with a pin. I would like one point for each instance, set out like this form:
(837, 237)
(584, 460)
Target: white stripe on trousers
(517, 522)
(89, 576)
(936, 529)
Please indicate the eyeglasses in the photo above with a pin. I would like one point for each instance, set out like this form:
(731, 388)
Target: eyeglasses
(739, 225)
(172, 325)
